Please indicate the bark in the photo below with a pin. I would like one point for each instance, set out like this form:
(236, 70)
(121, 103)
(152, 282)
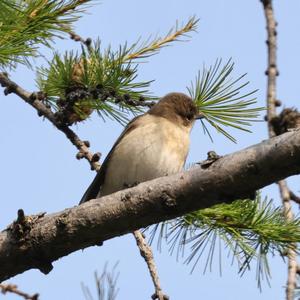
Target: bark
(37, 241)
(276, 124)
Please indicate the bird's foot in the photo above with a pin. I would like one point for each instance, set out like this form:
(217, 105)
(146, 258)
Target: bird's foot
(212, 157)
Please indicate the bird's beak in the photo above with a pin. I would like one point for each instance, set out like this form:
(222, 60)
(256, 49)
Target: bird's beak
(199, 116)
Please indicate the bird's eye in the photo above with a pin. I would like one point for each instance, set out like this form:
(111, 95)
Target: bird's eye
(189, 117)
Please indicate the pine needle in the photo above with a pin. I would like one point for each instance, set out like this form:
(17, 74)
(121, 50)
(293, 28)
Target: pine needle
(220, 99)
(251, 230)
(150, 48)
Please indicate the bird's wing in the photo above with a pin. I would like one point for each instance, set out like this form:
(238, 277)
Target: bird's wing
(93, 189)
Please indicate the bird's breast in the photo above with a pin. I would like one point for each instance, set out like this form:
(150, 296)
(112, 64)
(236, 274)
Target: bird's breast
(155, 147)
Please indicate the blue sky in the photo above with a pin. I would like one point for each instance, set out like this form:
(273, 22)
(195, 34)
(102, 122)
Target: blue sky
(40, 172)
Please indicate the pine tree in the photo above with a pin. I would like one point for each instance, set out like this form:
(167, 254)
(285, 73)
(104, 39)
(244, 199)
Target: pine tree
(74, 84)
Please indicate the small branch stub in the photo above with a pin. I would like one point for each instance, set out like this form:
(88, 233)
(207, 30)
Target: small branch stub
(12, 288)
(96, 157)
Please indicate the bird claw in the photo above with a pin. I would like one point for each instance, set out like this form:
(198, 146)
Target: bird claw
(212, 157)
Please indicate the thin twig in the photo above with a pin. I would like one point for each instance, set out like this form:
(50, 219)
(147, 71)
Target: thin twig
(32, 99)
(84, 152)
(11, 288)
(73, 6)
(77, 38)
(74, 36)
(147, 254)
(106, 285)
(294, 197)
(134, 102)
(292, 254)
(272, 73)
(156, 44)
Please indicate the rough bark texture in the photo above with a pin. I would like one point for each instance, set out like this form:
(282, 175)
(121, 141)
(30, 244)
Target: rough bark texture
(35, 242)
(276, 124)
(82, 146)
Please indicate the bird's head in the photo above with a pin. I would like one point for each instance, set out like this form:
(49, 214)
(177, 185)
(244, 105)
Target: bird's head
(176, 107)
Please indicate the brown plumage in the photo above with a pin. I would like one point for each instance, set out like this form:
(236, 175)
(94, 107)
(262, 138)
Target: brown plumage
(152, 145)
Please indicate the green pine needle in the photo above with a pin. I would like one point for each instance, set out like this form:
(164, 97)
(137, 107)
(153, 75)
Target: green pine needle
(98, 68)
(250, 229)
(151, 47)
(220, 101)
(25, 25)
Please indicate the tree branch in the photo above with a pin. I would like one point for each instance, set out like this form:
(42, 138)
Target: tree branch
(83, 147)
(272, 73)
(295, 198)
(146, 253)
(11, 288)
(43, 110)
(35, 242)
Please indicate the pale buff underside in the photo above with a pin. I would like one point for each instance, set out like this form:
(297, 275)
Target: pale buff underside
(155, 148)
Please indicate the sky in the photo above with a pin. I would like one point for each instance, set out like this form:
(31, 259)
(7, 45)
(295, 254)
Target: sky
(40, 172)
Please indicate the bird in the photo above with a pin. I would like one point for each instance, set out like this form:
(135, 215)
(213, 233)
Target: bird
(152, 145)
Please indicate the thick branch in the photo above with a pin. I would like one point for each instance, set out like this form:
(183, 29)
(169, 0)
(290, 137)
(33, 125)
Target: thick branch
(47, 238)
(83, 147)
